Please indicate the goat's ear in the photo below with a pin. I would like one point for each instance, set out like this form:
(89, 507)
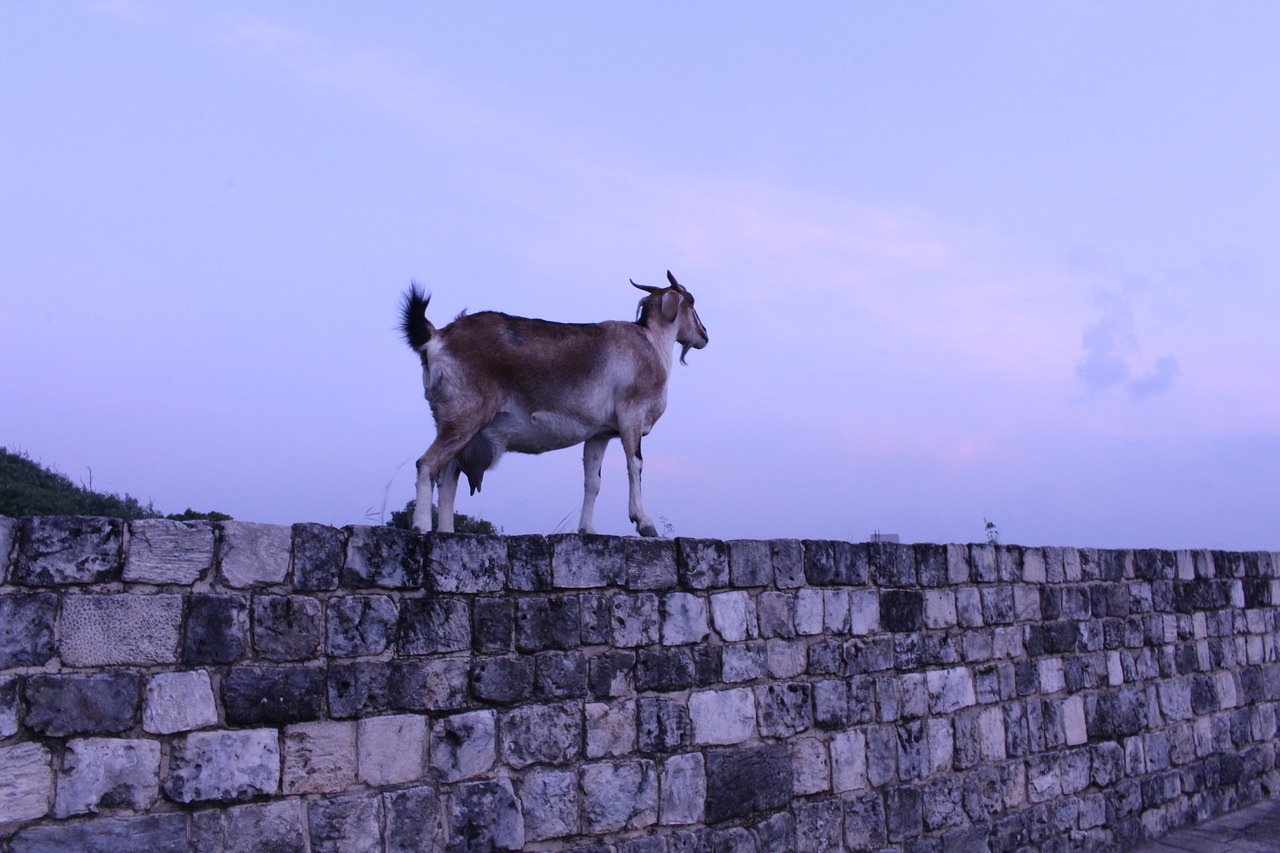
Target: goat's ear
(670, 305)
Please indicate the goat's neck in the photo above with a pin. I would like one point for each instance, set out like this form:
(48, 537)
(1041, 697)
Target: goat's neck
(663, 338)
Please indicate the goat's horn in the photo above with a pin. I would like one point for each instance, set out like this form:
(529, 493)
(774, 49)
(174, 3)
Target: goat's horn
(645, 287)
(673, 281)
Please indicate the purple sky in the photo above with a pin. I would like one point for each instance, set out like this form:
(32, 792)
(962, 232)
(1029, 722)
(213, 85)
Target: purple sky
(994, 261)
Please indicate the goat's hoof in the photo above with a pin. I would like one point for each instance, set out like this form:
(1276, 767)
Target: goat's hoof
(648, 530)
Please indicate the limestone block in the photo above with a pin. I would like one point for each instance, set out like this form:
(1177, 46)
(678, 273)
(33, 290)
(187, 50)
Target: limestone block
(108, 773)
(343, 824)
(318, 552)
(464, 745)
(950, 689)
(365, 688)
(788, 563)
(784, 709)
(684, 789)
(217, 629)
(969, 607)
(26, 782)
(835, 611)
(62, 705)
(271, 695)
(587, 561)
(940, 608)
(485, 816)
(787, 658)
(619, 796)
(651, 563)
(252, 554)
(1073, 720)
(224, 765)
(547, 622)
(849, 761)
(466, 563)
(723, 716)
(505, 680)
(8, 707)
(560, 675)
(432, 626)
(319, 757)
(58, 550)
(161, 833)
(415, 820)
(734, 616)
(1052, 676)
(287, 627)
(611, 728)
(810, 766)
(809, 612)
(991, 741)
(276, 826)
(941, 744)
(168, 552)
(635, 619)
(684, 619)
(750, 562)
(178, 702)
(384, 557)
(120, 628)
(551, 804)
(361, 625)
(663, 723)
(542, 734)
(702, 563)
(26, 629)
(777, 614)
(746, 780)
(864, 611)
(392, 749)
(6, 547)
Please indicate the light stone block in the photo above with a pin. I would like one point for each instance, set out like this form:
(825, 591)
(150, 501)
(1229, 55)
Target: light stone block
(864, 611)
(787, 658)
(683, 789)
(1115, 669)
(319, 757)
(723, 716)
(619, 796)
(849, 761)
(743, 662)
(8, 707)
(1073, 720)
(684, 619)
(253, 554)
(168, 552)
(941, 744)
(1228, 697)
(939, 608)
(611, 729)
(110, 773)
(224, 765)
(6, 546)
(1033, 566)
(391, 749)
(809, 620)
(950, 689)
(1052, 677)
(551, 804)
(835, 611)
(178, 702)
(1026, 603)
(120, 628)
(464, 745)
(734, 616)
(26, 782)
(810, 766)
(991, 743)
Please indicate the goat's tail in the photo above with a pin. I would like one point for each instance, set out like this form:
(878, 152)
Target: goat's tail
(414, 325)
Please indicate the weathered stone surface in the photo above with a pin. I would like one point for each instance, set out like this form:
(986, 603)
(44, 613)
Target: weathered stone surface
(611, 728)
(635, 619)
(278, 827)
(784, 709)
(702, 563)
(485, 816)
(663, 724)
(504, 680)
(252, 554)
(541, 734)
(415, 820)
(819, 826)
(317, 556)
(734, 616)
(746, 780)
(8, 707)
(745, 661)
(287, 627)
(438, 684)
(271, 695)
(723, 716)
(105, 773)
(384, 557)
(7, 526)
(26, 629)
(223, 765)
(58, 550)
(777, 614)
(788, 563)
(560, 675)
(178, 702)
(392, 749)
(464, 745)
(587, 561)
(684, 788)
(849, 761)
(168, 552)
(361, 688)
(547, 622)
(651, 563)
(750, 562)
(119, 628)
(164, 833)
(619, 795)
(361, 625)
(62, 705)
(902, 609)
(342, 824)
(466, 563)
(319, 757)
(551, 804)
(664, 669)
(432, 626)
(216, 628)
(950, 689)
(684, 619)
(26, 782)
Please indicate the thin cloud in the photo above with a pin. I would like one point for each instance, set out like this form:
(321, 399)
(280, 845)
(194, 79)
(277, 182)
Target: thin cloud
(1110, 348)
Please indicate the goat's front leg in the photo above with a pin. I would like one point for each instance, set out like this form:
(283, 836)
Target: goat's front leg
(592, 456)
(635, 462)
(448, 488)
(424, 494)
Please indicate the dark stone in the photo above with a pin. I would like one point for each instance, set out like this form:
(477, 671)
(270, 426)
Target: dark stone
(788, 563)
(1009, 563)
(611, 674)
(819, 826)
(503, 680)
(1122, 713)
(1050, 603)
(1011, 832)
(852, 562)
(534, 734)
(484, 816)
(820, 563)
(272, 695)
(694, 841)
(1076, 602)
(286, 627)
(529, 563)
(831, 704)
(1082, 672)
(901, 610)
(997, 605)
(384, 557)
(702, 563)
(864, 822)
(336, 824)
(873, 654)
(784, 709)
(358, 689)
(648, 844)
(26, 629)
(318, 552)
(414, 820)
(1153, 565)
(361, 625)
(57, 550)
(741, 782)
(750, 563)
(908, 650)
(63, 705)
(432, 626)
(651, 563)
(1228, 564)
(1204, 695)
(913, 751)
(664, 724)
(707, 664)
(1257, 592)
(826, 657)
(439, 684)
(931, 565)
(891, 564)
(547, 622)
(560, 675)
(215, 629)
(664, 669)
(1051, 638)
(161, 833)
(492, 625)
(595, 611)
(1186, 658)
(1200, 594)
(777, 834)
(465, 562)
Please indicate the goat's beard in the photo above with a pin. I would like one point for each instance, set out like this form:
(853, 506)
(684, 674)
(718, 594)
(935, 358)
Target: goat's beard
(684, 350)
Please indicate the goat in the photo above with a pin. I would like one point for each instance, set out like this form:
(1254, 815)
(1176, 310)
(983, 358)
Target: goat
(497, 383)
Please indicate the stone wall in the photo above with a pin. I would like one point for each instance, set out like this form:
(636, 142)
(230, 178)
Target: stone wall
(186, 686)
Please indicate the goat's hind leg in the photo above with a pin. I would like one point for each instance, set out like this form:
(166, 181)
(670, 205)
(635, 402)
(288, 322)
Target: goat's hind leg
(635, 504)
(592, 456)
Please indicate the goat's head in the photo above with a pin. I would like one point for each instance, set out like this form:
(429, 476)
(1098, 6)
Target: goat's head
(673, 306)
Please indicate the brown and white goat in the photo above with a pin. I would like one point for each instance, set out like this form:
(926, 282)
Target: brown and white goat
(497, 383)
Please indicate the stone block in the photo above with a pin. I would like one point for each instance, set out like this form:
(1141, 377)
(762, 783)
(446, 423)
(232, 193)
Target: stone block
(493, 625)
(7, 526)
(384, 557)
(746, 780)
(744, 662)
(969, 607)
(26, 782)
(787, 658)
(26, 629)
(723, 716)
(560, 675)
(612, 674)
(466, 563)
(166, 833)
(63, 705)
(120, 628)
(272, 695)
(216, 629)
(902, 610)
(275, 826)
(903, 813)
(864, 612)
(684, 619)
(784, 709)
(864, 822)
(581, 561)
(940, 608)
(809, 612)
(835, 611)
(432, 626)
(547, 622)
(529, 563)
(664, 669)
(702, 563)
(504, 680)
(414, 820)
(734, 616)
(8, 707)
(178, 702)
(107, 773)
(750, 562)
(684, 789)
(485, 816)
(819, 826)
(341, 824)
(551, 804)
(168, 552)
(360, 689)
(223, 765)
(635, 619)
(391, 750)
(663, 724)
(361, 625)
(788, 563)
(319, 757)
(848, 761)
(950, 689)
(611, 728)
(892, 564)
(619, 796)
(1073, 720)
(252, 554)
(777, 614)
(595, 612)
(318, 553)
(287, 627)
(651, 563)
(541, 734)
(464, 745)
(60, 550)
(810, 766)
(882, 755)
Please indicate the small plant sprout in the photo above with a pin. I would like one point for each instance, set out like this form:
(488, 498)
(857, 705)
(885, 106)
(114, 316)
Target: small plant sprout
(993, 532)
